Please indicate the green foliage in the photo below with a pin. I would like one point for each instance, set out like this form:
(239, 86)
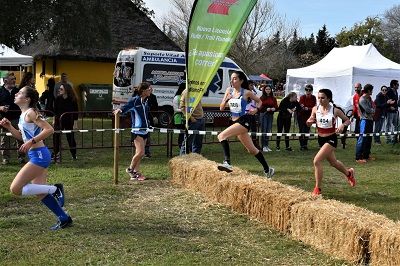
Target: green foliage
(79, 22)
(362, 33)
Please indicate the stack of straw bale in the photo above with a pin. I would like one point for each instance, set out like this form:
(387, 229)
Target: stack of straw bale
(266, 200)
(339, 229)
(342, 230)
(384, 245)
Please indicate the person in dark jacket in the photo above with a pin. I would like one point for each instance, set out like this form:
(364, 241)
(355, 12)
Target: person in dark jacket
(153, 106)
(287, 107)
(9, 110)
(47, 97)
(66, 101)
(382, 103)
(392, 113)
(138, 105)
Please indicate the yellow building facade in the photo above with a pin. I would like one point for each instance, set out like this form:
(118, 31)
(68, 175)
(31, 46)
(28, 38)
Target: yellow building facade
(79, 72)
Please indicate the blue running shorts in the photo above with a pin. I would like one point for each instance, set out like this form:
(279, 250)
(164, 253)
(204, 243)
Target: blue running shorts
(40, 156)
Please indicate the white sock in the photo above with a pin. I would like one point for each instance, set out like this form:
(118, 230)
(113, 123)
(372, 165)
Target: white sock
(35, 189)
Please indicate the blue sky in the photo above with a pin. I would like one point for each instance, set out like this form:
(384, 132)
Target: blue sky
(311, 15)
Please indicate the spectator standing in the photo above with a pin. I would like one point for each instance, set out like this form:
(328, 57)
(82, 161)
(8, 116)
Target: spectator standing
(356, 111)
(47, 97)
(251, 104)
(193, 142)
(64, 79)
(268, 107)
(28, 80)
(7, 96)
(287, 107)
(138, 105)
(392, 113)
(366, 109)
(179, 121)
(307, 102)
(66, 101)
(381, 104)
(153, 106)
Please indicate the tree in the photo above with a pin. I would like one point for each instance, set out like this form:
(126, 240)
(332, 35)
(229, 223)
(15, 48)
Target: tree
(18, 28)
(362, 33)
(142, 7)
(391, 30)
(324, 43)
(23, 21)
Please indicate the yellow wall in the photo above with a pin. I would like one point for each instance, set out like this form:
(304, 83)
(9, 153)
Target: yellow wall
(79, 72)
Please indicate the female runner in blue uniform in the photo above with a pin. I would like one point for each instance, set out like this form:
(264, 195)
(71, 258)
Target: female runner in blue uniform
(325, 114)
(237, 98)
(139, 114)
(33, 129)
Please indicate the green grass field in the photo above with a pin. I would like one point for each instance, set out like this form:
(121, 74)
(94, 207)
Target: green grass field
(158, 223)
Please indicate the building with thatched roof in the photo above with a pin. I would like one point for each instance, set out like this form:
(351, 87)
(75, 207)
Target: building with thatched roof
(86, 47)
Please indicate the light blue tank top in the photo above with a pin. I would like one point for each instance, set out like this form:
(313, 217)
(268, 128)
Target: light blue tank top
(28, 130)
(237, 105)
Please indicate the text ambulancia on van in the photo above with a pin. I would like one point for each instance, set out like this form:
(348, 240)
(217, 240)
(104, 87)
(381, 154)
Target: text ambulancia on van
(165, 71)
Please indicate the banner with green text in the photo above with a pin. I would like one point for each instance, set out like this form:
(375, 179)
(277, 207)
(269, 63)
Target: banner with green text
(213, 27)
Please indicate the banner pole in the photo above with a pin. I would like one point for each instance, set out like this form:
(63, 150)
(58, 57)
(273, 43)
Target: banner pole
(116, 147)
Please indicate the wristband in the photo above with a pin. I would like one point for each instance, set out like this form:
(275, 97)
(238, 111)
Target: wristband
(33, 140)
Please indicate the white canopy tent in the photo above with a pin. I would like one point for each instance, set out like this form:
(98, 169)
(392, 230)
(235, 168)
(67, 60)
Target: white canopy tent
(8, 57)
(341, 69)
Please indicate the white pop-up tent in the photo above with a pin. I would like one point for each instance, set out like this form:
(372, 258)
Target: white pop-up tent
(8, 57)
(341, 69)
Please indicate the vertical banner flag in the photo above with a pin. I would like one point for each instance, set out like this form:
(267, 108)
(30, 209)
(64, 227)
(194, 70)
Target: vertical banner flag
(213, 27)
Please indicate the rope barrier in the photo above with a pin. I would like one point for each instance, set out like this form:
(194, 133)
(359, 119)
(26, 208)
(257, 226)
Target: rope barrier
(201, 132)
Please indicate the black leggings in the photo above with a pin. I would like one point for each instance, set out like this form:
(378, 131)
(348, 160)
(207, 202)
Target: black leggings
(283, 123)
(70, 139)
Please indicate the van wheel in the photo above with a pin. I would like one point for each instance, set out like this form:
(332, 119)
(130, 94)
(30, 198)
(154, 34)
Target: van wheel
(165, 118)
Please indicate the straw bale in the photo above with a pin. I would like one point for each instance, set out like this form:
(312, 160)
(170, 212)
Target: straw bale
(263, 199)
(384, 245)
(339, 229)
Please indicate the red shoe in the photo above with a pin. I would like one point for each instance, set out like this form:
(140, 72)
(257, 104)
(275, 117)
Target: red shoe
(140, 177)
(371, 159)
(317, 191)
(351, 178)
(361, 161)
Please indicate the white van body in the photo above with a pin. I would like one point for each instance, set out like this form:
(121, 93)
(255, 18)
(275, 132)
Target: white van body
(165, 70)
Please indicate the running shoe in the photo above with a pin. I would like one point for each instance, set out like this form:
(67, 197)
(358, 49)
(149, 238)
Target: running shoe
(288, 149)
(131, 174)
(59, 194)
(317, 191)
(62, 224)
(140, 177)
(268, 174)
(370, 159)
(352, 177)
(361, 161)
(225, 167)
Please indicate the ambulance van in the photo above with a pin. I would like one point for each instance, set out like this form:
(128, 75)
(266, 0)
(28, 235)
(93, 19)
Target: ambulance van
(165, 70)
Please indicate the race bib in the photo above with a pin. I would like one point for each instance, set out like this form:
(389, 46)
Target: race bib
(235, 105)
